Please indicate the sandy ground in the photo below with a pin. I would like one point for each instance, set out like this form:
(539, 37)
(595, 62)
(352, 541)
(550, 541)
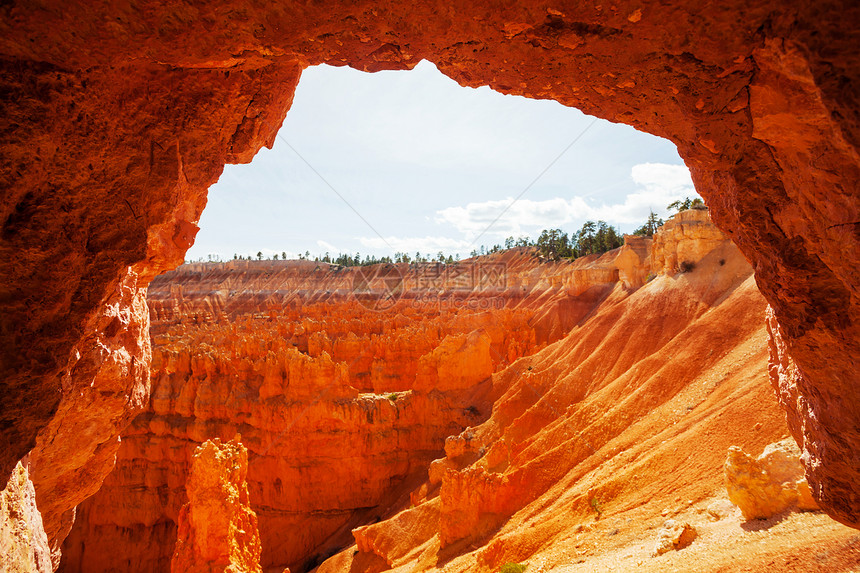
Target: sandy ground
(791, 542)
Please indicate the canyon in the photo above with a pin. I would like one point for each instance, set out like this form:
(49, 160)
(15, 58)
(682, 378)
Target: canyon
(117, 117)
(337, 401)
(487, 408)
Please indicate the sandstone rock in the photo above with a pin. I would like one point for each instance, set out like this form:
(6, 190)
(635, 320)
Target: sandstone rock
(23, 542)
(115, 132)
(720, 509)
(395, 538)
(830, 482)
(558, 410)
(551, 409)
(458, 362)
(674, 535)
(684, 239)
(633, 261)
(106, 383)
(473, 501)
(217, 527)
(307, 378)
(438, 469)
(769, 484)
(461, 445)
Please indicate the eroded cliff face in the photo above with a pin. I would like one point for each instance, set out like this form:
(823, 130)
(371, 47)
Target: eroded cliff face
(105, 383)
(338, 402)
(344, 409)
(683, 241)
(23, 543)
(596, 439)
(118, 117)
(217, 527)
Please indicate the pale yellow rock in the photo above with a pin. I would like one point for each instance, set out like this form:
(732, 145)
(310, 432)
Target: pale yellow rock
(633, 261)
(23, 542)
(674, 535)
(685, 238)
(805, 501)
(720, 509)
(769, 484)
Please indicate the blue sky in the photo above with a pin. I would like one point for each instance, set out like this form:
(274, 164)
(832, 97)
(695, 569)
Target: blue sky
(428, 165)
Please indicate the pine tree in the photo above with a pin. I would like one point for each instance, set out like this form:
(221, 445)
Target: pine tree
(651, 225)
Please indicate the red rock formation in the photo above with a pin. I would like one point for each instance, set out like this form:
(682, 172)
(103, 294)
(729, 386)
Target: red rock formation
(323, 390)
(117, 118)
(629, 414)
(23, 542)
(106, 383)
(217, 528)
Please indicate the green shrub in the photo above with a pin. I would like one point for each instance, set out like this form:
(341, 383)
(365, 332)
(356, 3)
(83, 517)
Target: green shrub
(393, 396)
(687, 266)
(595, 505)
(513, 568)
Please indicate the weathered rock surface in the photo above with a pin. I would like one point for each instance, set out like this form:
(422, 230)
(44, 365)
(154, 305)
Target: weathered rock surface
(683, 241)
(117, 119)
(106, 383)
(217, 529)
(395, 539)
(608, 376)
(634, 261)
(769, 484)
(630, 413)
(674, 535)
(323, 390)
(23, 542)
(720, 509)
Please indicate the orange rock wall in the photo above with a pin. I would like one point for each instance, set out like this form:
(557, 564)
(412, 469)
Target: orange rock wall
(217, 528)
(632, 412)
(118, 116)
(337, 404)
(106, 384)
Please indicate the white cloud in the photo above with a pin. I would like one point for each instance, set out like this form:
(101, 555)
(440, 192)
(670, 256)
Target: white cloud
(662, 176)
(510, 217)
(658, 185)
(426, 245)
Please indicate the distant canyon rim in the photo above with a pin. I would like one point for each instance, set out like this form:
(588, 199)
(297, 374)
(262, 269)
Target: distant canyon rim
(117, 117)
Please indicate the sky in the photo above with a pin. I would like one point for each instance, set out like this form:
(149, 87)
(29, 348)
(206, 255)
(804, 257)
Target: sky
(410, 161)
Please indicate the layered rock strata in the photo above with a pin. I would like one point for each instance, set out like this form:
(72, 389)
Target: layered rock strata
(217, 530)
(627, 415)
(684, 240)
(337, 400)
(118, 118)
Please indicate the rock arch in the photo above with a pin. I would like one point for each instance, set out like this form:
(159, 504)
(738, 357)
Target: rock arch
(118, 117)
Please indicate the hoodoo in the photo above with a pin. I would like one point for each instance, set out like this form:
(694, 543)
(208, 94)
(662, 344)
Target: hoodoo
(343, 408)
(117, 117)
(337, 403)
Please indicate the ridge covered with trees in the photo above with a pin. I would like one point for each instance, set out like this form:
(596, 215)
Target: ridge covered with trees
(593, 238)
